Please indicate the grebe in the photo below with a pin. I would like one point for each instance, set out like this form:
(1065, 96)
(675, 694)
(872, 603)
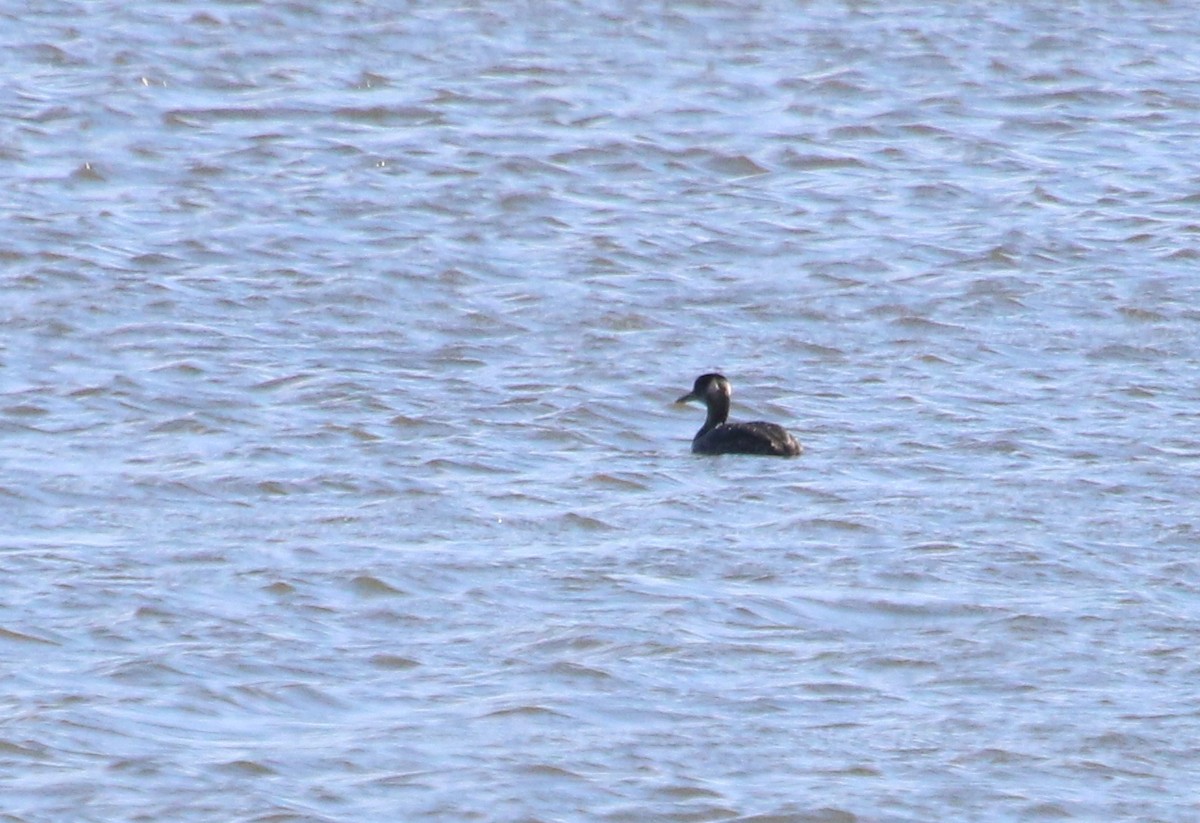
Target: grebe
(717, 436)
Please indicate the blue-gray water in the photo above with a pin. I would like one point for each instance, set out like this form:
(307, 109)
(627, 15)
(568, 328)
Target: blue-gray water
(341, 480)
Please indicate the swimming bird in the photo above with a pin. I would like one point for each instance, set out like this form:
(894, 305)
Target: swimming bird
(717, 436)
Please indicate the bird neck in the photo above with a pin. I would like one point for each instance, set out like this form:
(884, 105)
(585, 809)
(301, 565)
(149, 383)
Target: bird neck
(718, 413)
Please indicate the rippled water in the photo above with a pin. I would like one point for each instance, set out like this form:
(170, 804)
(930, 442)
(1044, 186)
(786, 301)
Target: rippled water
(341, 479)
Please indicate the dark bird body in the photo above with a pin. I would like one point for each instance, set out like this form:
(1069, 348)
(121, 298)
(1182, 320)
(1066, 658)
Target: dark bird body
(718, 436)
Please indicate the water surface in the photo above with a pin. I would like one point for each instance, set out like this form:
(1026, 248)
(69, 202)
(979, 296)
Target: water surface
(341, 479)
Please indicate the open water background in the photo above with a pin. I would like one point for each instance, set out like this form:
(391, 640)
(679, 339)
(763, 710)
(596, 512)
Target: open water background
(340, 480)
